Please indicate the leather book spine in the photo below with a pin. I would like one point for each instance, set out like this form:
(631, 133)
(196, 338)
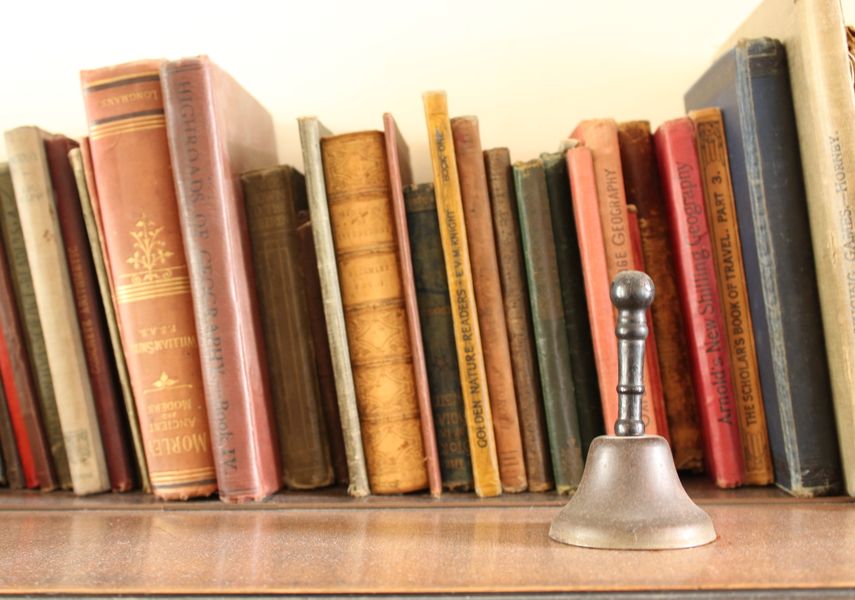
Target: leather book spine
(458, 269)
(500, 178)
(200, 121)
(311, 131)
(22, 282)
(721, 217)
(360, 207)
(489, 302)
(87, 301)
(601, 137)
(55, 301)
(550, 333)
(400, 174)
(641, 178)
(751, 86)
(438, 334)
(144, 253)
(700, 300)
(20, 390)
(320, 342)
(582, 365)
(81, 163)
(271, 212)
(15, 477)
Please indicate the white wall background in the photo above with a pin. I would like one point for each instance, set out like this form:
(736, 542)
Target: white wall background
(529, 70)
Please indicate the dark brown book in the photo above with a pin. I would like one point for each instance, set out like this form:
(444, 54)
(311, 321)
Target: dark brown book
(271, 197)
(216, 131)
(489, 303)
(103, 377)
(500, 179)
(11, 461)
(320, 340)
(643, 189)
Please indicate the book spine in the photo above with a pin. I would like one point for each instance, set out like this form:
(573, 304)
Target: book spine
(272, 221)
(438, 334)
(81, 163)
(467, 333)
(320, 340)
(701, 302)
(582, 365)
(216, 244)
(400, 173)
(500, 179)
(489, 302)
(102, 375)
(360, 207)
(52, 285)
(641, 178)
(15, 477)
(602, 138)
(22, 282)
(145, 257)
(550, 333)
(311, 131)
(20, 390)
(721, 215)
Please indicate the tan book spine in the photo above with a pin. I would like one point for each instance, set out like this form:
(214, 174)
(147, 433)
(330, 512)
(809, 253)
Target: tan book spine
(360, 205)
(489, 302)
(721, 216)
(467, 333)
(52, 286)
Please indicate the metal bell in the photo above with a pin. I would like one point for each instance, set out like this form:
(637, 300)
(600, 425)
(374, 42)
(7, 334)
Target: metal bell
(630, 496)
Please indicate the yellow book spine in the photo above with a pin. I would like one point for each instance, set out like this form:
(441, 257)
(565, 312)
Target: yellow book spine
(721, 215)
(467, 335)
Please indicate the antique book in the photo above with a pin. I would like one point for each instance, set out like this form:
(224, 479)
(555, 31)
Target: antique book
(11, 461)
(601, 137)
(752, 86)
(400, 174)
(467, 332)
(311, 131)
(52, 284)
(321, 344)
(272, 196)
(216, 131)
(570, 277)
(90, 315)
(641, 179)
(20, 389)
(22, 282)
(81, 163)
(489, 303)
(700, 299)
(144, 255)
(550, 333)
(813, 34)
(438, 335)
(360, 207)
(503, 204)
(727, 253)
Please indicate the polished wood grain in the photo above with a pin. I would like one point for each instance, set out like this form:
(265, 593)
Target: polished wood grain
(133, 549)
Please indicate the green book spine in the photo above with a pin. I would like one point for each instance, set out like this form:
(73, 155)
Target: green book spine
(22, 282)
(573, 300)
(438, 335)
(550, 332)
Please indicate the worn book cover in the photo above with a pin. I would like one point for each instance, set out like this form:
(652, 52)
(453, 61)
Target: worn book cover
(13, 470)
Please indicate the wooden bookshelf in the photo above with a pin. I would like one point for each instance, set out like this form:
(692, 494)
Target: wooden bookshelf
(327, 543)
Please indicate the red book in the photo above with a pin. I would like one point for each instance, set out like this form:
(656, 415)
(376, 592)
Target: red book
(217, 131)
(700, 299)
(30, 437)
(100, 365)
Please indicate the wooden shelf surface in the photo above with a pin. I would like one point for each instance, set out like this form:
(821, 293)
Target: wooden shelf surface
(327, 543)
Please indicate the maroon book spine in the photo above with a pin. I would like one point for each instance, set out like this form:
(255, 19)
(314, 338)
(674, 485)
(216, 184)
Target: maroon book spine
(103, 377)
(700, 299)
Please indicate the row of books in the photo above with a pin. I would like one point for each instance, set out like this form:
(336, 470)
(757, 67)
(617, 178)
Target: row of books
(181, 314)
